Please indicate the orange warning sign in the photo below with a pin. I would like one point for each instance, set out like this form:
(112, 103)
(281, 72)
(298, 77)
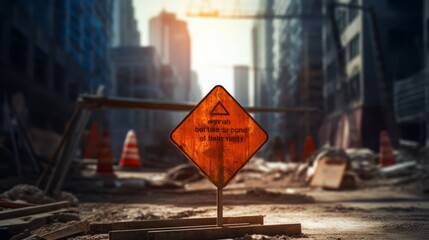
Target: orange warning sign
(219, 136)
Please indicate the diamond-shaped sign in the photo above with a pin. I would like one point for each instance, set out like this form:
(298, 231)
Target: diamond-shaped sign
(219, 136)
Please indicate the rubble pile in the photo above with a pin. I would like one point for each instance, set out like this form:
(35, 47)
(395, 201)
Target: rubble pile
(332, 153)
(399, 170)
(27, 193)
(285, 197)
(183, 173)
(363, 162)
(412, 165)
(423, 156)
(262, 166)
(361, 167)
(32, 194)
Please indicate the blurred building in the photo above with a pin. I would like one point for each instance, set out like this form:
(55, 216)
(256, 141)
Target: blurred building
(354, 106)
(195, 94)
(299, 76)
(410, 99)
(425, 31)
(171, 39)
(241, 85)
(263, 65)
(50, 51)
(168, 77)
(411, 94)
(137, 75)
(426, 53)
(125, 29)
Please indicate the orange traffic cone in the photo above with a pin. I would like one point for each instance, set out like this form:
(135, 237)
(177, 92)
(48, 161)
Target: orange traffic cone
(292, 152)
(386, 150)
(105, 160)
(130, 153)
(92, 149)
(309, 149)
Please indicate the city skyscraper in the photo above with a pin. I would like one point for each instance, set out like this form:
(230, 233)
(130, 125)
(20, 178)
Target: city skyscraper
(171, 39)
(299, 75)
(83, 28)
(195, 92)
(355, 105)
(137, 73)
(263, 65)
(241, 84)
(50, 52)
(125, 29)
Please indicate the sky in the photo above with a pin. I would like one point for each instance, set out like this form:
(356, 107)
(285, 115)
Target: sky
(216, 44)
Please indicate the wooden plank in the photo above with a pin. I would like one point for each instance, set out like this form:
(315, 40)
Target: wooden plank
(141, 234)
(27, 220)
(329, 173)
(44, 178)
(14, 213)
(225, 232)
(10, 227)
(68, 231)
(11, 204)
(97, 228)
(66, 155)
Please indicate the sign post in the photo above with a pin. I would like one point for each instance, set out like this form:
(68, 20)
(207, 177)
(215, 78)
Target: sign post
(219, 137)
(219, 207)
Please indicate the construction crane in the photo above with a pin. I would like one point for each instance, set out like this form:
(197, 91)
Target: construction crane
(205, 10)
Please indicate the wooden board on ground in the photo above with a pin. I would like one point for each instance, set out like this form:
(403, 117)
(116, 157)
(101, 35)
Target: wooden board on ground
(67, 231)
(14, 213)
(11, 204)
(10, 227)
(142, 234)
(97, 228)
(329, 173)
(225, 232)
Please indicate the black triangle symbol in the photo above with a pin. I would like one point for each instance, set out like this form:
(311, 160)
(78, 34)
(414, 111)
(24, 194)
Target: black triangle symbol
(219, 109)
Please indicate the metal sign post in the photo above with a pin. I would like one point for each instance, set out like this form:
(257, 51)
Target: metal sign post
(219, 207)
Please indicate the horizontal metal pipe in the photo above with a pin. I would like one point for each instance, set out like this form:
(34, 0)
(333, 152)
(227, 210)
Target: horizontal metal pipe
(89, 101)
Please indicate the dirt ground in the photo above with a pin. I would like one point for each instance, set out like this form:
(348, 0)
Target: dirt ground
(376, 212)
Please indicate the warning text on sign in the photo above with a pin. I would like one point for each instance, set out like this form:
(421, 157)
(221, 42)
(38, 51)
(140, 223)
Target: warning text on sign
(219, 131)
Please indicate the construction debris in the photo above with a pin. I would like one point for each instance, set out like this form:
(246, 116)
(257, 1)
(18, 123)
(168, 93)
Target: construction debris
(183, 173)
(263, 166)
(5, 203)
(326, 153)
(34, 195)
(68, 231)
(329, 172)
(69, 197)
(15, 221)
(361, 155)
(15, 213)
(363, 162)
(283, 197)
(27, 193)
(398, 170)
